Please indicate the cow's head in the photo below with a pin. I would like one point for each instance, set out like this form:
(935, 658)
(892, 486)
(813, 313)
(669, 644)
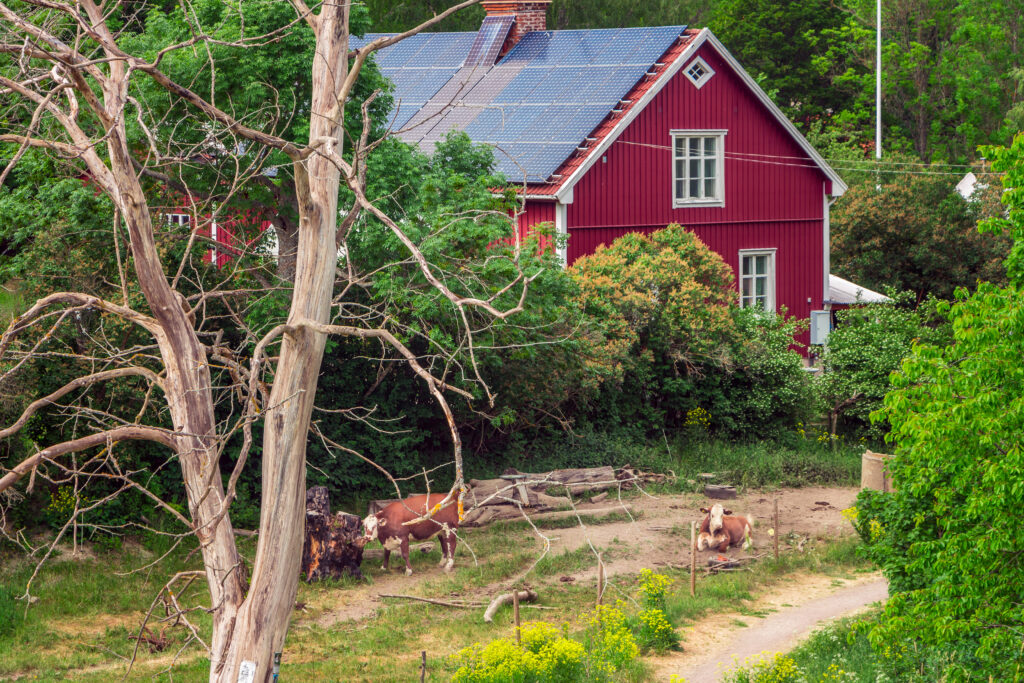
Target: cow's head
(371, 528)
(716, 513)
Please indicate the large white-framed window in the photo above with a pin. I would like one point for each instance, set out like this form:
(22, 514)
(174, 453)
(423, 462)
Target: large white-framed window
(698, 168)
(757, 279)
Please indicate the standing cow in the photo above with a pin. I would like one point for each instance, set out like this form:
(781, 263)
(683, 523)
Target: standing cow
(721, 530)
(389, 527)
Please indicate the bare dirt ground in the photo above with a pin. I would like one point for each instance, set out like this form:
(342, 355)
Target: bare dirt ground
(659, 536)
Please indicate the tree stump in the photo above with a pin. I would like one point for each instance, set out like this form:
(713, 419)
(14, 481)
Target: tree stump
(330, 549)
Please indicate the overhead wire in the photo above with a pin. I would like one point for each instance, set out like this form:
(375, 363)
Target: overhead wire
(890, 167)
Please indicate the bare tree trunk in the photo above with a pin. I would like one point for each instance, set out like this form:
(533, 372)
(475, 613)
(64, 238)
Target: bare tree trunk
(287, 250)
(262, 619)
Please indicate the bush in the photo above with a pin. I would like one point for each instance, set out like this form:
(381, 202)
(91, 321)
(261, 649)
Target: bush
(949, 537)
(868, 344)
(547, 654)
(674, 352)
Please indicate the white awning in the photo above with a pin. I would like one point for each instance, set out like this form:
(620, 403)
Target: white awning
(842, 291)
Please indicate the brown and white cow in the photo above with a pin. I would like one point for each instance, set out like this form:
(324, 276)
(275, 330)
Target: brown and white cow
(720, 529)
(388, 526)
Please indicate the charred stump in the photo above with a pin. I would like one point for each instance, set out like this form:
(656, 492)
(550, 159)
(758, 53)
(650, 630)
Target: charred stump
(330, 548)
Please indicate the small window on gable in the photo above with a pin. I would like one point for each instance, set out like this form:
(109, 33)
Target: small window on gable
(699, 72)
(757, 279)
(697, 168)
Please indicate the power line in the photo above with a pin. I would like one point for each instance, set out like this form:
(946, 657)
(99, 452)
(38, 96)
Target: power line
(893, 167)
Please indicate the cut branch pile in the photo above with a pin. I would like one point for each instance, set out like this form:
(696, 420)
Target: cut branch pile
(489, 500)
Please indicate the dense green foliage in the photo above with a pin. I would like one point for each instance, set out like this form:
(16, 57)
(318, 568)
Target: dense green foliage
(917, 234)
(949, 537)
(868, 344)
(675, 345)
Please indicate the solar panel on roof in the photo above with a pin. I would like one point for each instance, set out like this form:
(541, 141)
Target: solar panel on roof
(489, 40)
(536, 105)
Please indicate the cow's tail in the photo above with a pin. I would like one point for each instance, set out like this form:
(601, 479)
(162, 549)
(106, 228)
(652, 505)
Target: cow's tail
(748, 533)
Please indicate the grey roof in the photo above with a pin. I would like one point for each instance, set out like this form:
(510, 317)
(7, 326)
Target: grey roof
(535, 106)
(842, 291)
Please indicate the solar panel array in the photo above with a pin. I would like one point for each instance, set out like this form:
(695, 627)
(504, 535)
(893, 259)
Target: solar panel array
(536, 106)
(489, 40)
(418, 66)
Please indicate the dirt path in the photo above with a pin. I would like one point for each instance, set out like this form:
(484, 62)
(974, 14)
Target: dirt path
(658, 537)
(721, 641)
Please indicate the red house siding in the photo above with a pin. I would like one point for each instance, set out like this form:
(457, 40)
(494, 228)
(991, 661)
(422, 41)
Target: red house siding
(773, 191)
(535, 212)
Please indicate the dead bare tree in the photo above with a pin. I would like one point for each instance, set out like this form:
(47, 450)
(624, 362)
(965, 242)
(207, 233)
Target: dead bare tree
(66, 67)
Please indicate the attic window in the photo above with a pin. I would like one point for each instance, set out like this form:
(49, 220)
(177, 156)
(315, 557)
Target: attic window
(699, 72)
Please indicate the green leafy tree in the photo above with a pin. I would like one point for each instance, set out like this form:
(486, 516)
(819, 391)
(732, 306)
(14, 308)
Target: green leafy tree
(915, 233)
(867, 345)
(949, 537)
(779, 41)
(669, 339)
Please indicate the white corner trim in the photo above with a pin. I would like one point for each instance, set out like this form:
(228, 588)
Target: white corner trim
(562, 228)
(838, 186)
(826, 247)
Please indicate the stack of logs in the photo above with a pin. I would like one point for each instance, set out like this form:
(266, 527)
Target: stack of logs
(490, 500)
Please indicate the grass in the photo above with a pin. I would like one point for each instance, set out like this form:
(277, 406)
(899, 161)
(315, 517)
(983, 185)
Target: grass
(80, 627)
(766, 464)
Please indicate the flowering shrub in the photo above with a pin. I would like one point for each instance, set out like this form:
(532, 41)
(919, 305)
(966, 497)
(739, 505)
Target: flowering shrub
(780, 668)
(653, 588)
(698, 419)
(609, 639)
(62, 504)
(548, 655)
(545, 655)
(654, 632)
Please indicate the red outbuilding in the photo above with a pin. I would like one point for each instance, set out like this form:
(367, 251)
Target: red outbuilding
(628, 130)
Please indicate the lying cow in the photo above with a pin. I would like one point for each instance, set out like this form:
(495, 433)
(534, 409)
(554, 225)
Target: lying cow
(388, 526)
(719, 530)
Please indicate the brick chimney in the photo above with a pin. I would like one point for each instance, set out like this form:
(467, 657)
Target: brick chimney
(530, 15)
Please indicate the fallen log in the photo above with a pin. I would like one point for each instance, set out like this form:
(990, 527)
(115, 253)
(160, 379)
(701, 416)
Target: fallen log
(494, 513)
(504, 599)
(432, 601)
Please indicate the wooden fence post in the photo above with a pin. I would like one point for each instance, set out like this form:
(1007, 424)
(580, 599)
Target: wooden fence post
(693, 559)
(423, 666)
(775, 526)
(515, 611)
(600, 579)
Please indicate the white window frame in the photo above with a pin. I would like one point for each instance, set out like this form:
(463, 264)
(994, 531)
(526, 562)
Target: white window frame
(719, 157)
(184, 219)
(770, 303)
(704, 78)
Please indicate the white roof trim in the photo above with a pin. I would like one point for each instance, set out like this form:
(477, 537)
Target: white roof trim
(842, 291)
(838, 186)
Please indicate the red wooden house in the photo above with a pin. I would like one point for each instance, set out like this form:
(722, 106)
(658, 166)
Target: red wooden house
(627, 130)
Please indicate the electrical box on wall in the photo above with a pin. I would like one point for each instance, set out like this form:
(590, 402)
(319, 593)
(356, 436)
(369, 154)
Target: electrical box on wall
(821, 325)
